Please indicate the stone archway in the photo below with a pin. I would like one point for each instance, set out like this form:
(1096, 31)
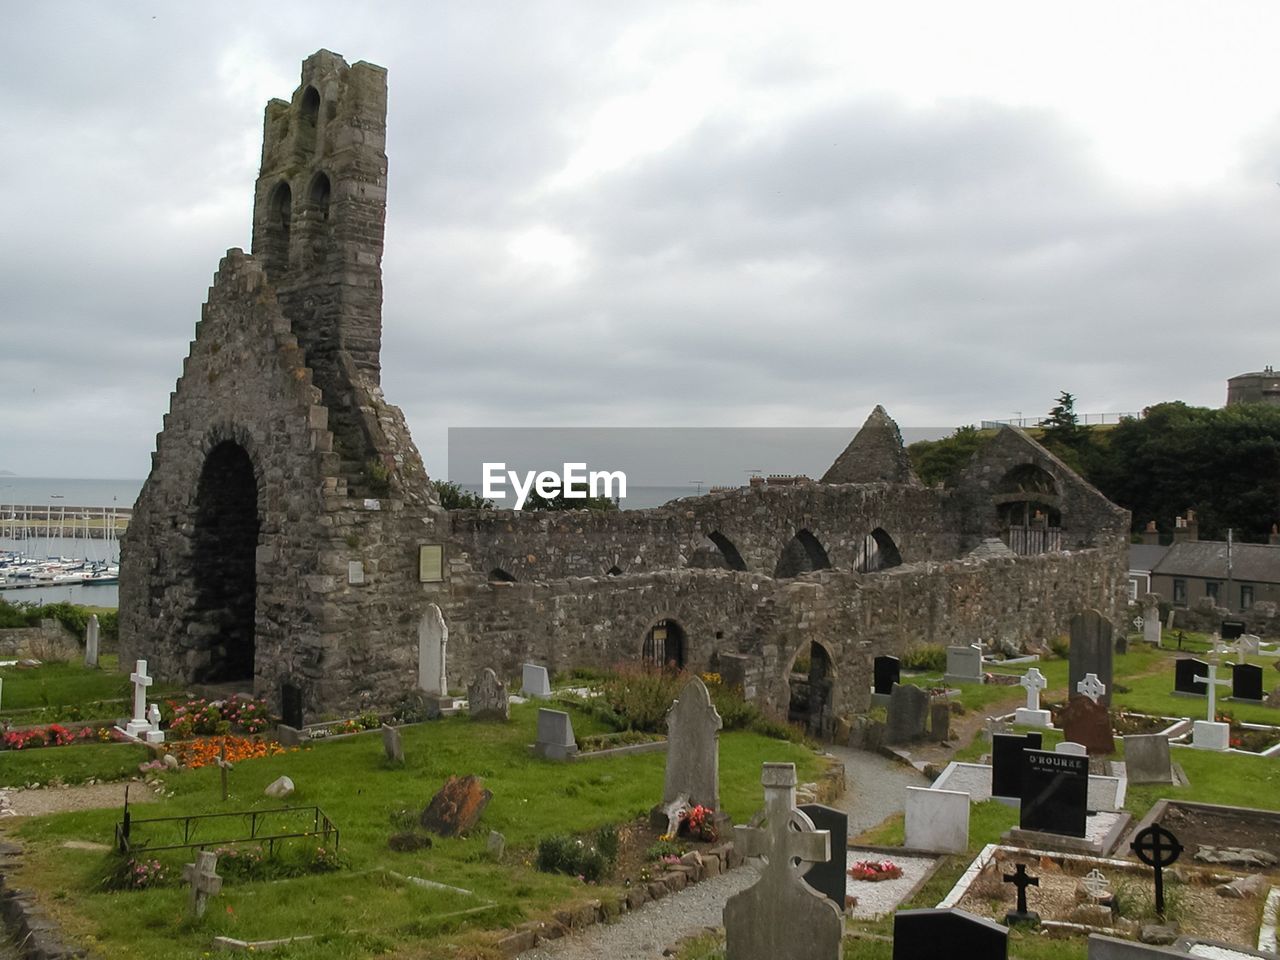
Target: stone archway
(433, 639)
(665, 645)
(811, 690)
(803, 553)
(223, 566)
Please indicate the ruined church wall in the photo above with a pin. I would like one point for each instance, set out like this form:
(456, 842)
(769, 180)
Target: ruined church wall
(600, 622)
(541, 545)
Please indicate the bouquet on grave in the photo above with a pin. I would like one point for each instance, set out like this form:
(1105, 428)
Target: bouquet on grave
(699, 822)
(875, 870)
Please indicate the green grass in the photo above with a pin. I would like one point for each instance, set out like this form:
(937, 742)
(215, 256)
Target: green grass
(356, 913)
(61, 684)
(74, 764)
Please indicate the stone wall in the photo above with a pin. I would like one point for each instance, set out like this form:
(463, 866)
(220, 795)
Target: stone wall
(49, 641)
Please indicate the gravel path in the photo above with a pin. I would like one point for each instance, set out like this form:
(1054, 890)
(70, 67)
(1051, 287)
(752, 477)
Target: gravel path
(876, 789)
(37, 803)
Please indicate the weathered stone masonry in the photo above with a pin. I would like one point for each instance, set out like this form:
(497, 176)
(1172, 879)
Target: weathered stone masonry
(276, 541)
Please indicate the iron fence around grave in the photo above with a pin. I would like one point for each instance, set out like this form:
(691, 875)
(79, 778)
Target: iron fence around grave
(265, 827)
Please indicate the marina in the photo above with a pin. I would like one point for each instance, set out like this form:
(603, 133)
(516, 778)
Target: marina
(49, 552)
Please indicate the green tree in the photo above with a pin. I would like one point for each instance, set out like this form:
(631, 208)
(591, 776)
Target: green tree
(1062, 433)
(560, 502)
(940, 461)
(453, 497)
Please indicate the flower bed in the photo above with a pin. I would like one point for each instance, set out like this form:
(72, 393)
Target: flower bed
(204, 717)
(202, 751)
(56, 735)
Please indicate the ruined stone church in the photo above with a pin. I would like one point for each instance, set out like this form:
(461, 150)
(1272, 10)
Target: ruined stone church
(288, 538)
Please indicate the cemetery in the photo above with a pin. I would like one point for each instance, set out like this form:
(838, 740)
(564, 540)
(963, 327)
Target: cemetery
(470, 834)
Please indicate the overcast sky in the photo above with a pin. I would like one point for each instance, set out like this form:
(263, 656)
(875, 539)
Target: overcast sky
(650, 213)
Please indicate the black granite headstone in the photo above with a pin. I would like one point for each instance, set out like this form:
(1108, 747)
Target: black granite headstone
(1246, 682)
(1232, 629)
(885, 672)
(829, 878)
(291, 705)
(1091, 651)
(1055, 793)
(1185, 672)
(920, 934)
(1008, 761)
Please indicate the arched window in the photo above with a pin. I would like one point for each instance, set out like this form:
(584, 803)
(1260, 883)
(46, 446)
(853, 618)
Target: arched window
(732, 558)
(802, 554)
(878, 552)
(310, 107)
(1029, 507)
(319, 195)
(498, 575)
(614, 571)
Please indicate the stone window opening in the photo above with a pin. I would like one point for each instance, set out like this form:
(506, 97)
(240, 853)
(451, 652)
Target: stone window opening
(614, 571)
(732, 558)
(279, 224)
(498, 575)
(878, 552)
(308, 120)
(319, 195)
(802, 554)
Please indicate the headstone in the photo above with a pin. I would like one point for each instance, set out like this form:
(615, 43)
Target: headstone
(1092, 687)
(1185, 671)
(433, 642)
(535, 682)
(154, 734)
(908, 714)
(1091, 650)
(1151, 624)
(885, 671)
(1071, 749)
(291, 705)
(937, 820)
(1157, 847)
(1020, 880)
(1033, 681)
(919, 934)
(487, 698)
(1008, 761)
(204, 880)
(139, 725)
(1096, 885)
(1249, 645)
(693, 748)
(964, 664)
(392, 745)
(1088, 722)
(279, 788)
(555, 736)
(496, 845)
(781, 917)
(828, 878)
(939, 721)
(91, 632)
(1246, 682)
(456, 807)
(1146, 758)
(1232, 629)
(1055, 793)
(1211, 735)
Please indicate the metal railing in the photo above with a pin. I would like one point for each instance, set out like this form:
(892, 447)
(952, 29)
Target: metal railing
(187, 827)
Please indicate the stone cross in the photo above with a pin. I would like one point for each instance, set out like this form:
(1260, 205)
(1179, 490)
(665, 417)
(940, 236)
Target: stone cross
(1097, 885)
(1033, 680)
(1020, 880)
(1213, 683)
(138, 724)
(1091, 687)
(781, 917)
(154, 733)
(204, 880)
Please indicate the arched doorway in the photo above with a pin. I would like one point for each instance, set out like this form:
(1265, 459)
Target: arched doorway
(878, 552)
(664, 646)
(802, 554)
(812, 682)
(224, 546)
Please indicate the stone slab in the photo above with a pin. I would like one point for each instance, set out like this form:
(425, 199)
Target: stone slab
(937, 820)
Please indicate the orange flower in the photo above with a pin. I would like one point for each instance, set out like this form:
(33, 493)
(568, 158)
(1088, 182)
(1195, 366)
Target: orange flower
(204, 751)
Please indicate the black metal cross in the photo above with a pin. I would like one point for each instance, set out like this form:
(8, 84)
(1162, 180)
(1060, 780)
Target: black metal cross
(1157, 847)
(1020, 880)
